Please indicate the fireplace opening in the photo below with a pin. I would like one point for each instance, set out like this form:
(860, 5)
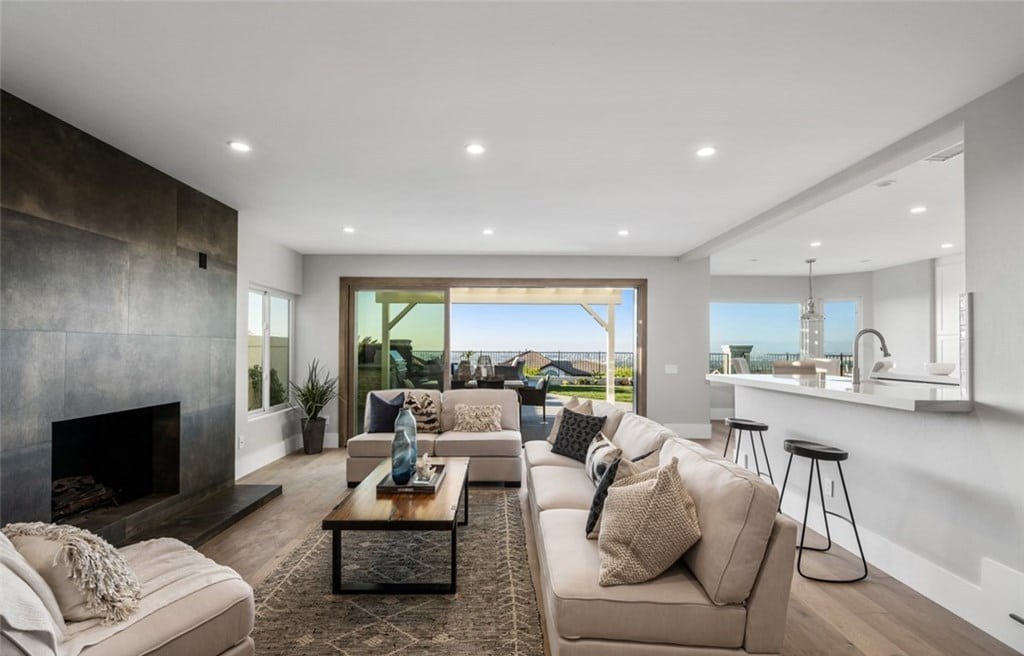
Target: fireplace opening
(107, 467)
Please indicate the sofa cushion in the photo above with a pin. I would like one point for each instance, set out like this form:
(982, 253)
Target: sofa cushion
(498, 443)
(670, 609)
(560, 487)
(506, 398)
(190, 605)
(637, 435)
(426, 408)
(736, 511)
(477, 418)
(575, 434)
(576, 404)
(88, 576)
(384, 412)
(613, 415)
(389, 394)
(600, 455)
(378, 445)
(538, 452)
(648, 522)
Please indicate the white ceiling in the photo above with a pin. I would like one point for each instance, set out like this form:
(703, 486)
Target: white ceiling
(868, 229)
(358, 113)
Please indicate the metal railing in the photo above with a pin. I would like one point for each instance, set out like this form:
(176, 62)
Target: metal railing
(761, 363)
(591, 361)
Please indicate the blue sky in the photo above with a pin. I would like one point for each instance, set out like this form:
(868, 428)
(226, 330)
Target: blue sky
(502, 327)
(775, 327)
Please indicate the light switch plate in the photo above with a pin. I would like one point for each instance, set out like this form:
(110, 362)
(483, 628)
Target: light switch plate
(671, 369)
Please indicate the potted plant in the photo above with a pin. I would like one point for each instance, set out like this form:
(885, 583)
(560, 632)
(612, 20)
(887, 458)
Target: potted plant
(310, 398)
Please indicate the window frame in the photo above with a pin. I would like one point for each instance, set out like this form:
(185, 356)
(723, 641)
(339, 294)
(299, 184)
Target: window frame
(268, 293)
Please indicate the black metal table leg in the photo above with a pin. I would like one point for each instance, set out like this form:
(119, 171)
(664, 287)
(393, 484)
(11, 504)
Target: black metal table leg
(336, 561)
(465, 501)
(455, 569)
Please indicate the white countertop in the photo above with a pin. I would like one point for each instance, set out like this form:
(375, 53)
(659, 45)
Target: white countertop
(913, 397)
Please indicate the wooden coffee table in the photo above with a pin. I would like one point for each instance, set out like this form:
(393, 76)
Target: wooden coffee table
(364, 510)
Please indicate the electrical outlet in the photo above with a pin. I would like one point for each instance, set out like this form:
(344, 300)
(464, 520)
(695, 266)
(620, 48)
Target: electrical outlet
(327, 420)
(746, 461)
(241, 441)
(830, 487)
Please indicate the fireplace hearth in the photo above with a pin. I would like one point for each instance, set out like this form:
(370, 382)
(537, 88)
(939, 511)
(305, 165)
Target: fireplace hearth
(110, 466)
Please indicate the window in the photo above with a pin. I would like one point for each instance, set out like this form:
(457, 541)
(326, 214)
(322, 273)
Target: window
(269, 330)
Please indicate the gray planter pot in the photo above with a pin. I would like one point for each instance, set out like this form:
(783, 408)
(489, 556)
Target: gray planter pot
(313, 435)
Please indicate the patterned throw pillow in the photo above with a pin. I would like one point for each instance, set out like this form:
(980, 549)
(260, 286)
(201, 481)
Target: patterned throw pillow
(477, 418)
(649, 521)
(582, 406)
(88, 576)
(600, 454)
(621, 468)
(384, 413)
(575, 434)
(424, 409)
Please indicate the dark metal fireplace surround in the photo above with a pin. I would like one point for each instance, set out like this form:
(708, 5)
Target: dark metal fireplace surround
(114, 465)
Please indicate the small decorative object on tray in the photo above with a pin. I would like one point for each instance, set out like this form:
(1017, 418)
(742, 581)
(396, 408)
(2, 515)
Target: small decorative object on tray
(417, 484)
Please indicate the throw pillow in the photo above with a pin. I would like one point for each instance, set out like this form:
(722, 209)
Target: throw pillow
(88, 576)
(600, 454)
(424, 409)
(477, 418)
(575, 434)
(621, 468)
(649, 521)
(383, 413)
(582, 406)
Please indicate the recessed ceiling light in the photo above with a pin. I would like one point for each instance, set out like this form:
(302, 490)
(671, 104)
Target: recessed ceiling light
(885, 183)
(918, 209)
(475, 149)
(239, 146)
(865, 261)
(623, 233)
(348, 229)
(947, 245)
(706, 151)
(815, 244)
(488, 231)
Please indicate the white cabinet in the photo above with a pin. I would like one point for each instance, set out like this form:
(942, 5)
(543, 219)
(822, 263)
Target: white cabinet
(949, 284)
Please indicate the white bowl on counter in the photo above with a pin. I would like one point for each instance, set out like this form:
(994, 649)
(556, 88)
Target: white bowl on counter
(939, 368)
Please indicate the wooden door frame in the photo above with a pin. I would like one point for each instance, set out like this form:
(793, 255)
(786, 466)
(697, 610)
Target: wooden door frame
(348, 286)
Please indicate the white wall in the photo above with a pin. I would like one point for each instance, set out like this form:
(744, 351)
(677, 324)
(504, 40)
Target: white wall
(267, 264)
(904, 302)
(677, 331)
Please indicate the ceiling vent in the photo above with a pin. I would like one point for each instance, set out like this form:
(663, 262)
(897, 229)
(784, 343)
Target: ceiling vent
(949, 153)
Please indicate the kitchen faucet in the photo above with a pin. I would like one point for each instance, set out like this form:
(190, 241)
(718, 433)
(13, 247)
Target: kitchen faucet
(856, 351)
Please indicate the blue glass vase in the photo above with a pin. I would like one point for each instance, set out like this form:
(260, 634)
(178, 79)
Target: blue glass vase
(403, 460)
(407, 422)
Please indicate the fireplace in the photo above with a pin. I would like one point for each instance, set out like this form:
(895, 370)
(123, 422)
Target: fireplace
(107, 467)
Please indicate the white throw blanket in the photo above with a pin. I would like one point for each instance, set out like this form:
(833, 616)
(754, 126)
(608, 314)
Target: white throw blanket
(168, 571)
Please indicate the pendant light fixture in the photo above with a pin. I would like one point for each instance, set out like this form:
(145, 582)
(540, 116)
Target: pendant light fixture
(812, 322)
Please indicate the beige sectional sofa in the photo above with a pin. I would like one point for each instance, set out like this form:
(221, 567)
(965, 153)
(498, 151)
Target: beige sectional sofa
(495, 457)
(727, 595)
(190, 606)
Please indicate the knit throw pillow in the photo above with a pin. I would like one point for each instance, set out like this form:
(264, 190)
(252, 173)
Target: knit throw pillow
(477, 418)
(424, 410)
(649, 521)
(600, 454)
(582, 406)
(575, 434)
(88, 576)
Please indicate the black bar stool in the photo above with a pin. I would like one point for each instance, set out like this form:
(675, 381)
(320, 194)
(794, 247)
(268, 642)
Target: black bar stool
(751, 427)
(818, 452)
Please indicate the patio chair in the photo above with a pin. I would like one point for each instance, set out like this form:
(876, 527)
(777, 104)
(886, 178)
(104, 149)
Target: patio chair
(535, 396)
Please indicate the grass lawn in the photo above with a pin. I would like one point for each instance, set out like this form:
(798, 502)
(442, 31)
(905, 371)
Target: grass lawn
(623, 393)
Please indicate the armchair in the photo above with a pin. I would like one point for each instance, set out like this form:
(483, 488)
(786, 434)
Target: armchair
(535, 396)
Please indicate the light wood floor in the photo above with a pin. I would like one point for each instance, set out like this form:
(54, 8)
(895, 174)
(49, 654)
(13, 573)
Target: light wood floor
(876, 617)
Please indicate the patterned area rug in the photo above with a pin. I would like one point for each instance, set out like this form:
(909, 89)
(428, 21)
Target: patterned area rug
(494, 611)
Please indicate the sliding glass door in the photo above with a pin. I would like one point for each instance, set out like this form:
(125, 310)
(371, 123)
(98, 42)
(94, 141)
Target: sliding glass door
(400, 341)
